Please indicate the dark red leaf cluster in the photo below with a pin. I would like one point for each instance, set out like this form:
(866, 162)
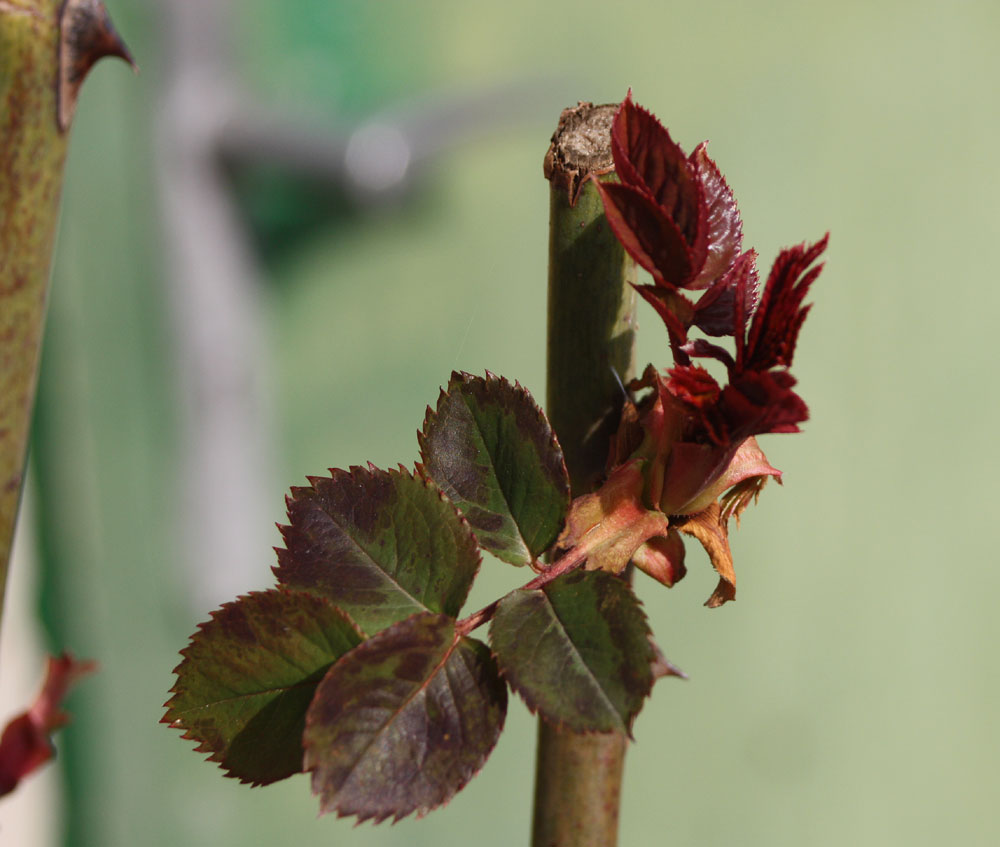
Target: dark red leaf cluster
(677, 217)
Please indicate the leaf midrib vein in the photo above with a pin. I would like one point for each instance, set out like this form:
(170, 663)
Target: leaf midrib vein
(590, 674)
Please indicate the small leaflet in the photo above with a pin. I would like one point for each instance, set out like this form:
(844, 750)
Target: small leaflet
(578, 651)
(249, 675)
(491, 450)
(382, 545)
(404, 721)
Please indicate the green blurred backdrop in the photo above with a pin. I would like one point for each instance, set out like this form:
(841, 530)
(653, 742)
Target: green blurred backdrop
(849, 696)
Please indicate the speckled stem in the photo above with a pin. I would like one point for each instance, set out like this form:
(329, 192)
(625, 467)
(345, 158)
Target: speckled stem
(591, 331)
(46, 49)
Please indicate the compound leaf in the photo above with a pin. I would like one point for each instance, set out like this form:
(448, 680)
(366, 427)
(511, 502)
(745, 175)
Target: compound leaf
(248, 677)
(577, 651)
(492, 451)
(404, 721)
(382, 545)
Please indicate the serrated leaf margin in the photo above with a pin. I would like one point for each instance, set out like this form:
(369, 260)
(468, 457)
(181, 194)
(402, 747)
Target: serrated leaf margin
(213, 752)
(451, 605)
(552, 465)
(374, 643)
(526, 694)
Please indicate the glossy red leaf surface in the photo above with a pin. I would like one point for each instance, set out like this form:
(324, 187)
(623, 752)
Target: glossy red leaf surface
(647, 158)
(724, 235)
(653, 239)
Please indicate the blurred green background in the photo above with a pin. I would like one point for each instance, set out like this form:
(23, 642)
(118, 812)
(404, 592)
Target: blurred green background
(849, 696)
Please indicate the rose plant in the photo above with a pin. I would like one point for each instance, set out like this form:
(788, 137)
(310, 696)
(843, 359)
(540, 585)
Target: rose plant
(358, 666)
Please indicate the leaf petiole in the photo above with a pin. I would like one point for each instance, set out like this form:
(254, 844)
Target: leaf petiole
(568, 562)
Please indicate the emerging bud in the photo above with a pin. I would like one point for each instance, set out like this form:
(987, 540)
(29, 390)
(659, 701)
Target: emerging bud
(693, 436)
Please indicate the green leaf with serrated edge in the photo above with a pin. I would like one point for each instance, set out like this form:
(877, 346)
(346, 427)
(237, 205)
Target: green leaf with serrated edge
(249, 675)
(577, 651)
(492, 451)
(382, 545)
(404, 721)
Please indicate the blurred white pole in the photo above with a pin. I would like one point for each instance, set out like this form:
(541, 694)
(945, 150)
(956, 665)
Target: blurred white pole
(229, 503)
(229, 500)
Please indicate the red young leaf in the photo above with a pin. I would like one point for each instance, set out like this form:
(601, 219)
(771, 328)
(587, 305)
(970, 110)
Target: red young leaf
(651, 237)
(779, 316)
(725, 307)
(694, 436)
(701, 349)
(696, 387)
(724, 230)
(25, 744)
(755, 403)
(647, 158)
(673, 307)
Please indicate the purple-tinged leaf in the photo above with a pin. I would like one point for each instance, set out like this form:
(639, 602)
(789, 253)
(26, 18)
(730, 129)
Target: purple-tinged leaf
(724, 228)
(714, 315)
(382, 545)
(577, 651)
(404, 721)
(492, 451)
(249, 675)
(725, 308)
(646, 233)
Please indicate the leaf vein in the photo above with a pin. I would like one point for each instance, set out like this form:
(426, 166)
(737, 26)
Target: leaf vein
(590, 676)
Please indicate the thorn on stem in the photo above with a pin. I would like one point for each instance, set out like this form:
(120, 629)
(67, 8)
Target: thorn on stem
(86, 34)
